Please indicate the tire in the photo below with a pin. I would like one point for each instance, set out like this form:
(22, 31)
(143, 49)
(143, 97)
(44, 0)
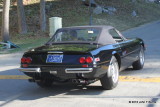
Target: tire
(111, 78)
(140, 63)
(45, 83)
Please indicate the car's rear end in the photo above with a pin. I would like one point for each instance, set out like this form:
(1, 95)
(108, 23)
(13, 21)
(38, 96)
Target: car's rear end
(64, 64)
(61, 64)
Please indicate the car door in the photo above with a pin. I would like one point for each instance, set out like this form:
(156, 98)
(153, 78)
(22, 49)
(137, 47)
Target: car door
(127, 48)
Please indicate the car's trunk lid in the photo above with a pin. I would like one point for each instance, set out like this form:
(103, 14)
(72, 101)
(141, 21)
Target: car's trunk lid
(70, 54)
(67, 47)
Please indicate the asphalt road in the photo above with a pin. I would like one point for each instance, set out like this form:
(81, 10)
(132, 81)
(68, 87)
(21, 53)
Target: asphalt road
(138, 90)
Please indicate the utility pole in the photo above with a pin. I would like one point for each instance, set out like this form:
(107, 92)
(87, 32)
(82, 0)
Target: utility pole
(42, 16)
(91, 12)
(22, 26)
(5, 20)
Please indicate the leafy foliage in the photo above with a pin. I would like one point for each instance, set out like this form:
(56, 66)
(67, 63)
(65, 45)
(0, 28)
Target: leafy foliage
(74, 13)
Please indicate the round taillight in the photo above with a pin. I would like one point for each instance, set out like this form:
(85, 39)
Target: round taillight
(82, 60)
(23, 60)
(28, 60)
(89, 59)
(24, 65)
(85, 66)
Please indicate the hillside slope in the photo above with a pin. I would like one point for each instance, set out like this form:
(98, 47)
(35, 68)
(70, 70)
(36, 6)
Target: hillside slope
(74, 13)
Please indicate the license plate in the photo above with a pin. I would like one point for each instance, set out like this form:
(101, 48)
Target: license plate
(54, 59)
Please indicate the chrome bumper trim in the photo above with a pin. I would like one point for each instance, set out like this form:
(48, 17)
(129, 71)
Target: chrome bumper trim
(30, 70)
(56, 52)
(78, 70)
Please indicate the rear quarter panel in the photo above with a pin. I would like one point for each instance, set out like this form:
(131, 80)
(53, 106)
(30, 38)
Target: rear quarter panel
(105, 54)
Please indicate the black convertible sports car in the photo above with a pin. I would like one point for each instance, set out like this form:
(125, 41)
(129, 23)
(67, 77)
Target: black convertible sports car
(83, 55)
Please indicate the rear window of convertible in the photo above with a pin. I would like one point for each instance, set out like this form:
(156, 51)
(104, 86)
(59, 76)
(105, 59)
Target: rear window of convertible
(76, 35)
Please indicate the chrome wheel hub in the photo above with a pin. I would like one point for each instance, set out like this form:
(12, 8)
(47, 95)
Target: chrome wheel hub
(113, 69)
(141, 56)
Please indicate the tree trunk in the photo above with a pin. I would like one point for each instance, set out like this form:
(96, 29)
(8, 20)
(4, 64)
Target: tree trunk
(22, 26)
(42, 16)
(5, 20)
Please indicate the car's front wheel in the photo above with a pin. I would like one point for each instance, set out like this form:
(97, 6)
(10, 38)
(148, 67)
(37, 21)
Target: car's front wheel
(110, 79)
(45, 83)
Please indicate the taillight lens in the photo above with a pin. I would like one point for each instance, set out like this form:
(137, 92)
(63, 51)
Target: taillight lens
(25, 65)
(82, 60)
(23, 60)
(85, 66)
(28, 60)
(89, 59)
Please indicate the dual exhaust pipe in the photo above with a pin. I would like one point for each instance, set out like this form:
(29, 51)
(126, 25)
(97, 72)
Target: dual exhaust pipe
(33, 80)
(81, 81)
(75, 81)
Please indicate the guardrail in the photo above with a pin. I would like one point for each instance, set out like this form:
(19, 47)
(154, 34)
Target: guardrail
(8, 45)
(5, 45)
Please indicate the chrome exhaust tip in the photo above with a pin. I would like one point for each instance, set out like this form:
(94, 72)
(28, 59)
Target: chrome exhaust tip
(75, 81)
(81, 81)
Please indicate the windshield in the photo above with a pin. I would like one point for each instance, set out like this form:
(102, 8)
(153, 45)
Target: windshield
(76, 35)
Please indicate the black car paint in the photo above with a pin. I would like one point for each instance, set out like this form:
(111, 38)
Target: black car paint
(126, 53)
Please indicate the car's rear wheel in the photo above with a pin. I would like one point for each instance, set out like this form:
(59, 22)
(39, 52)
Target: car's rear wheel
(110, 79)
(140, 63)
(45, 83)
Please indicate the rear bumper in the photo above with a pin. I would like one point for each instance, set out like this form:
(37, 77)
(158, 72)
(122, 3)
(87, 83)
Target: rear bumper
(30, 70)
(67, 70)
(64, 72)
(78, 70)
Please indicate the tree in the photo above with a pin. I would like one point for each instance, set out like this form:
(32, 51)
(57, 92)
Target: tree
(5, 20)
(42, 16)
(22, 26)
